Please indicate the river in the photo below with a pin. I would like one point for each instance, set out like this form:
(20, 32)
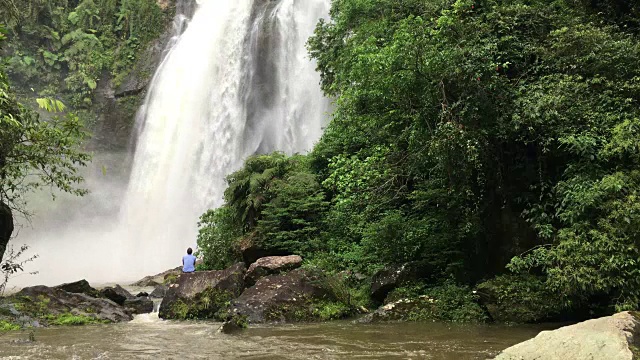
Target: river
(147, 337)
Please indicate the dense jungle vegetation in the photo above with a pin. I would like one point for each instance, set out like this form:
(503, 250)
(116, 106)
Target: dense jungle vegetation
(64, 48)
(492, 144)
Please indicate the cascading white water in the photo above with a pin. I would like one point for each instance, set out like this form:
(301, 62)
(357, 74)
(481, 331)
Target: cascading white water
(236, 80)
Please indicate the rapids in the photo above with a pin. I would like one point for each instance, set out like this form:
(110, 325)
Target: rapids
(147, 337)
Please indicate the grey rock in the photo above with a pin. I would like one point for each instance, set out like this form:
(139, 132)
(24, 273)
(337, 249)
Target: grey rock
(139, 305)
(79, 287)
(116, 294)
(388, 279)
(612, 338)
(271, 265)
(281, 298)
(191, 289)
(58, 302)
(158, 292)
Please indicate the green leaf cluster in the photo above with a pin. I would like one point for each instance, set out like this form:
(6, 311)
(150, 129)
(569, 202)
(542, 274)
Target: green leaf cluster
(65, 47)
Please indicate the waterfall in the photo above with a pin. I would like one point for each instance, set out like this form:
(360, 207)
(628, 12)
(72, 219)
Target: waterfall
(237, 81)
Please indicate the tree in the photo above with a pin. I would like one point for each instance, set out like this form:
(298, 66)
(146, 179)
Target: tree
(35, 153)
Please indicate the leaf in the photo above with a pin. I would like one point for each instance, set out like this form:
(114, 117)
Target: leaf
(73, 18)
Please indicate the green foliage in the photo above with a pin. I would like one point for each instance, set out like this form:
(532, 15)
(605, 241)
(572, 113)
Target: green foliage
(70, 46)
(273, 201)
(8, 326)
(446, 302)
(473, 131)
(216, 238)
(521, 299)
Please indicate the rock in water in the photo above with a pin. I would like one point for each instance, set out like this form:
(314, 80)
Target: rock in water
(282, 298)
(271, 265)
(612, 338)
(79, 287)
(47, 304)
(202, 294)
(139, 305)
(117, 294)
(234, 324)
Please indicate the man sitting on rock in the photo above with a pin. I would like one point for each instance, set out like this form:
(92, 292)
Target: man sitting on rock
(188, 262)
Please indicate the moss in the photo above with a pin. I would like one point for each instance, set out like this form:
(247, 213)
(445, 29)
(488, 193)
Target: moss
(307, 310)
(209, 304)
(68, 319)
(8, 326)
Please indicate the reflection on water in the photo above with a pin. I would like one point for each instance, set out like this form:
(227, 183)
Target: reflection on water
(147, 337)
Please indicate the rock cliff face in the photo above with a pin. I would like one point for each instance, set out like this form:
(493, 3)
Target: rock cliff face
(614, 337)
(6, 227)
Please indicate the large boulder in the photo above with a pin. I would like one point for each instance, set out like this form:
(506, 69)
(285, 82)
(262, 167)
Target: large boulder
(6, 227)
(271, 265)
(384, 281)
(202, 294)
(55, 306)
(286, 297)
(117, 294)
(613, 338)
(79, 287)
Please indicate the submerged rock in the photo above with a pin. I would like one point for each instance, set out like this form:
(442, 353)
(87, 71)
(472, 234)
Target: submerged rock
(271, 265)
(202, 294)
(116, 294)
(282, 298)
(79, 287)
(55, 306)
(613, 338)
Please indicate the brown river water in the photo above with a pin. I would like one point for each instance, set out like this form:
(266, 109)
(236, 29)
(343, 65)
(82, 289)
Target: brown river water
(148, 337)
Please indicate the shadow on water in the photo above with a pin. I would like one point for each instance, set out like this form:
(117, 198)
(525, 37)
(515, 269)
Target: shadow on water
(149, 337)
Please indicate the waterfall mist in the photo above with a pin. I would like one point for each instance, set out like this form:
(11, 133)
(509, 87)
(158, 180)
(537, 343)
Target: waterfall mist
(236, 80)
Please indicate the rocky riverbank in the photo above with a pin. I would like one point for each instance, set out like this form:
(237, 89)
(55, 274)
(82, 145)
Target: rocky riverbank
(74, 303)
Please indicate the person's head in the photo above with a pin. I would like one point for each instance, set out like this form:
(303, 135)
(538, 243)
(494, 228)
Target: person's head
(189, 251)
